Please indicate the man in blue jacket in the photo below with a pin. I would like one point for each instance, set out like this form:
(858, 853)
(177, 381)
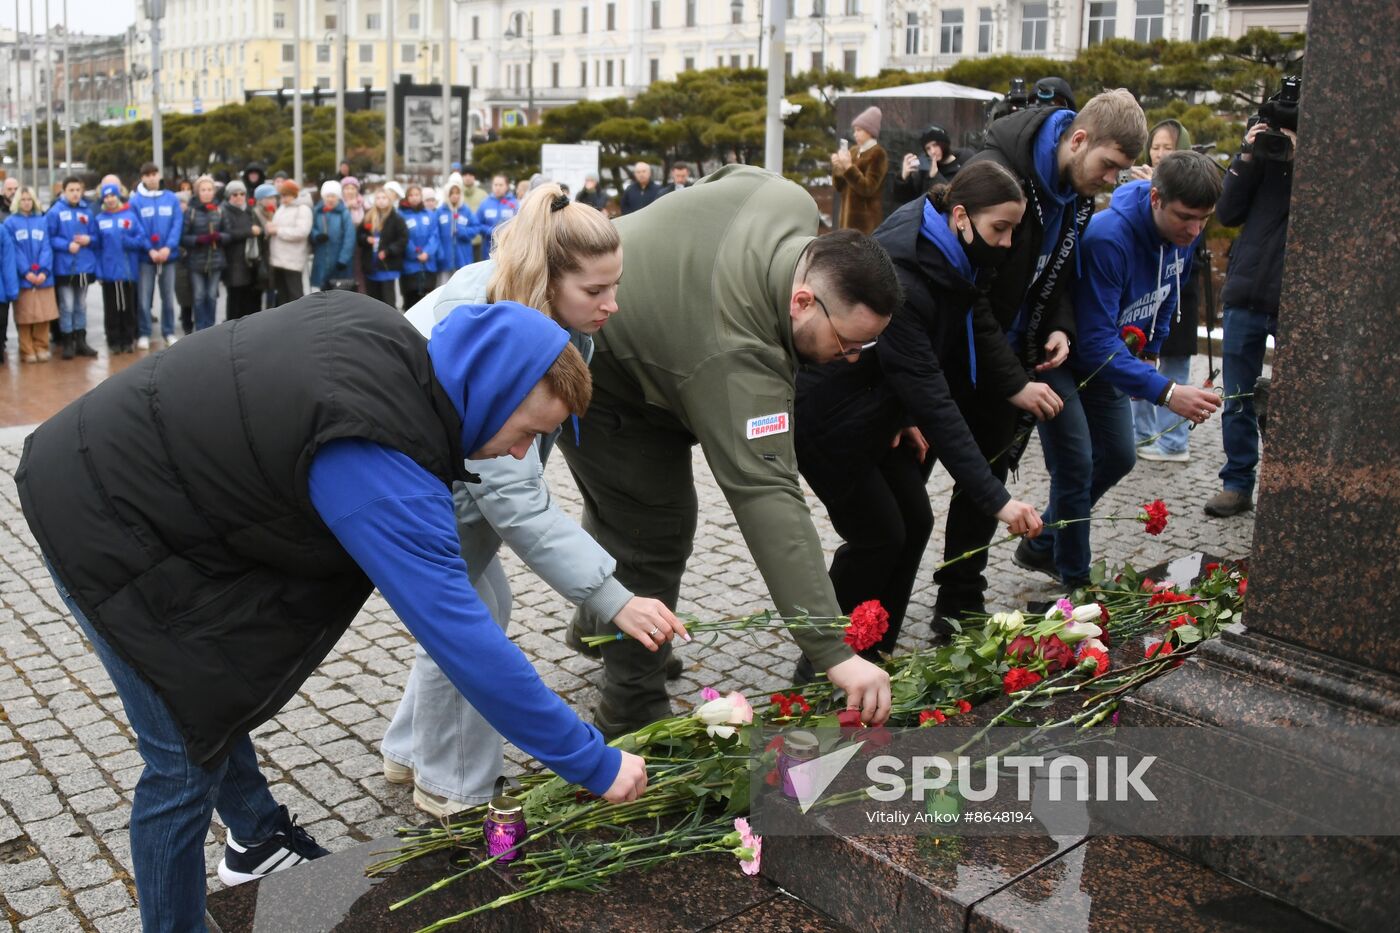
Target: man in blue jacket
(1136, 255)
(163, 219)
(316, 446)
(71, 228)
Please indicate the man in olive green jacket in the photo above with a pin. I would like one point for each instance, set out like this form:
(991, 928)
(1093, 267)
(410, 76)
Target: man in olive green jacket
(727, 291)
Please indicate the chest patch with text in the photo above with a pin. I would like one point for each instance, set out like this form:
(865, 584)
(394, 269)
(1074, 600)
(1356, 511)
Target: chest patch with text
(765, 425)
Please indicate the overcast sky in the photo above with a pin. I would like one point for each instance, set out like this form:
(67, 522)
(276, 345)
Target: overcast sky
(95, 17)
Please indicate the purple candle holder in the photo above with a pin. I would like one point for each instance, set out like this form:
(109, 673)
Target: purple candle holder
(504, 827)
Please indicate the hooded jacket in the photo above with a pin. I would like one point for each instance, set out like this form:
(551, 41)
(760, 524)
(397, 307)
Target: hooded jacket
(119, 241)
(512, 502)
(493, 211)
(9, 266)
(921, 363)
(456, 230)
(1257, 194)
(1031, 296)
(333, 239)
(162, 217)
(290, 247)
(393, 240)
(422, 238)
(65, 222)
(1131, 277)
(33, 252)
(239, 224)
(1182, 340)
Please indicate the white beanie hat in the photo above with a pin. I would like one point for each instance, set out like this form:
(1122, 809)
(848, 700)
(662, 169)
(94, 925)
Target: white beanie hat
(453, 181)
(330, 188)
(429, 194)
(393, 188)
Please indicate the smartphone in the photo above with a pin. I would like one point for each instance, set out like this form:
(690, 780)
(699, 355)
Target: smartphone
(844, 146)
(1124, 176)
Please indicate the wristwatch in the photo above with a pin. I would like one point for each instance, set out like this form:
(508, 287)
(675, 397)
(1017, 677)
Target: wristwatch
(1167, 395)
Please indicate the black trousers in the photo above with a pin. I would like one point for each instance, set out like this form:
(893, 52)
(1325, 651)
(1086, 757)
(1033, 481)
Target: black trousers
(386, 291)
(4, 327)
(414, 286)
(119, 313)
(243, 300)
(878, 503)
(287, 283)
(962, 587)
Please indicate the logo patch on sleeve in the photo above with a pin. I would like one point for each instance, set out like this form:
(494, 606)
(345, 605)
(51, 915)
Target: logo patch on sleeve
(764, 425)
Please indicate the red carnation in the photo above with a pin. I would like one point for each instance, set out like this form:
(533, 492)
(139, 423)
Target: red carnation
(1211, 568)
(775, 744)
(34, 267)
(82, 218)
(1020, 647)
(850, 721)
(1134, 338)
(126, 225)
(1160, 650)
(1099, 657)
(1103, 614)
(1243, 585)
(964, 706)
(1181, 620)
(1018, 679)
(869, 622)
(1056, 653)
(211, 206)
(932, 716)
(155, 237)
(1166, 597)
(1154, 516)
(1148, 585)
(771, 778)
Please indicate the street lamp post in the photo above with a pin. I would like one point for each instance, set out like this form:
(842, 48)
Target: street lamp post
(19, 94)
(67, 95)
(296, 85)
(48, 92)
(530, 69)
(446, 94)
(389, 14)
(155, 9)
(344, 28)
(777, 82)
(34, 90)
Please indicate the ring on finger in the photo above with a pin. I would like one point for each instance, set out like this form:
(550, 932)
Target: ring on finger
(654, 631)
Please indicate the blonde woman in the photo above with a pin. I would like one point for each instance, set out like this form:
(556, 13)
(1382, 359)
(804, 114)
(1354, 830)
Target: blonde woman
(383, 239)
(565, 259)
(37, 304)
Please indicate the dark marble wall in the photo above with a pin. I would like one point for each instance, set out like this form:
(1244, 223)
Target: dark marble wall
(1326, 560)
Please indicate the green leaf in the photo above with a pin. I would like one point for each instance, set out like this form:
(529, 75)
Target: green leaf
(1188, 634)
(1098, 573)
(959, 661)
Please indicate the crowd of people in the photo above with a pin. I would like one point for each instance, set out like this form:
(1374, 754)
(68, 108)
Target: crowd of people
(400, 452)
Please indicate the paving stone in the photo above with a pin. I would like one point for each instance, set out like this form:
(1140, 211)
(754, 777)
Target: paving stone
(35, 900)
(55, 921)
(24, 875)
(107, 899)
(125, 921)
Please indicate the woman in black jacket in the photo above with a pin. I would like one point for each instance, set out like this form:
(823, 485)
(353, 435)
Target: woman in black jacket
(383, 239)
(864, 430)
(240, 274)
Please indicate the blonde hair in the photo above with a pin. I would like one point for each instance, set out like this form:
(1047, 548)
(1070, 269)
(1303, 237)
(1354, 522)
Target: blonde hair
(33, 201)
(1113, 117)
(545, 240)
(373, 214)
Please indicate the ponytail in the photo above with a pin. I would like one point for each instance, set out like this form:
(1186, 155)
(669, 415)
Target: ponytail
(977, 187)
(547, 238)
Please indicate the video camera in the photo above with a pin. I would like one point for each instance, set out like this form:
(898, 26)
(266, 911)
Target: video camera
(1017, 98)
(1278, 113)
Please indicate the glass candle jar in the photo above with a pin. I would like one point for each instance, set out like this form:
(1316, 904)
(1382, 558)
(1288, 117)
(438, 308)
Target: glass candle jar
(504, 827)
(798, 747)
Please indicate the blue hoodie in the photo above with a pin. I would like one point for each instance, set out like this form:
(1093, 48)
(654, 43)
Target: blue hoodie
(9, 266)
(455, 252)
(1053, 194)
(33, 252)
(492, 212)
(422, 238)
(1130, 276)
(162, 217)
(65, 222)
(119, 242)
(398, 522)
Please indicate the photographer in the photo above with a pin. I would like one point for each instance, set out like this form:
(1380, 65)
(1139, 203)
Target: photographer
(1258, 187)
(937, 166)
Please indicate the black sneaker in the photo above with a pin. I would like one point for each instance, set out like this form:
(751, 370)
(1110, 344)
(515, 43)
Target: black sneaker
(289, 845)
(1036, 561)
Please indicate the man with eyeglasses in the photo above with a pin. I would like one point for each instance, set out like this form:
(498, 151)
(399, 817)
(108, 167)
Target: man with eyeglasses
(727, 291)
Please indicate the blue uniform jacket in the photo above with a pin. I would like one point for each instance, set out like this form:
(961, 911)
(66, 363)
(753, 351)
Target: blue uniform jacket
(163, 218)
(65, 222)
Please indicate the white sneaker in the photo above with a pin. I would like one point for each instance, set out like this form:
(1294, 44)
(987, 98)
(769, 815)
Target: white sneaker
(170, 341)
(143, 343)
(396, 773)
(1153, 452)
(433, 805)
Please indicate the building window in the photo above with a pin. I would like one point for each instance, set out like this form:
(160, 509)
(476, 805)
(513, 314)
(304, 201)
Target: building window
(689, 63)
(476, 27)
(323, 54)
(475, 83)
(553, 74)
(366, 53)
(951, 33)
(791, 11)
(584, 30)
(414, 20)
(286, 85)
(288, 53)
(408, 52)
(787, 64)
(597, 74)
(654, 70)
(818, 8)
(1148, 25)
(373, 21)
(690, 12)
(611, 11)
(736, 61)
(817, 62)
(330, 21)
(1035, 25)
(608, 74)
(1102, 22)
(323, 83)
(1200, 23)
(736, 14)
(583, 74)
(849, 64)
(984, 29)
(622, 71)
(279, 20)
(557, 22)
(911, 33)
(852, 9)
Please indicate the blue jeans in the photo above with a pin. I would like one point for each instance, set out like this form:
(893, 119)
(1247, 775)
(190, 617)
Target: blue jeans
(72, 306)
(175, 798)
(145, 298)
(1088, 448)
(1170, 430)
(1241, 363)
(206, 298)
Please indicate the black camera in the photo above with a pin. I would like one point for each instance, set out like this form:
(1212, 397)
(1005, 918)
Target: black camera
(1278, 113)
(1018, 97)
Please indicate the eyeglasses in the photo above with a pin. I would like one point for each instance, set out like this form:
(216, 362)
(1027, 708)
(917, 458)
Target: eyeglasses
(849, 348)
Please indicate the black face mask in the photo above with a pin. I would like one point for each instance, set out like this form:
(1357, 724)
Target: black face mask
(983, 254)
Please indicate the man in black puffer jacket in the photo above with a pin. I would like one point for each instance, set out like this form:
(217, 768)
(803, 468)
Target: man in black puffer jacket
(1062, 160)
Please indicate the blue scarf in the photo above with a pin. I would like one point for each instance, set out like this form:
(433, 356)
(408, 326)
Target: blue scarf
(934, 228)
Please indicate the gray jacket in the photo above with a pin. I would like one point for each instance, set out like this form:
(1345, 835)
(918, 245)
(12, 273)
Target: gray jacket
(512, 502)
